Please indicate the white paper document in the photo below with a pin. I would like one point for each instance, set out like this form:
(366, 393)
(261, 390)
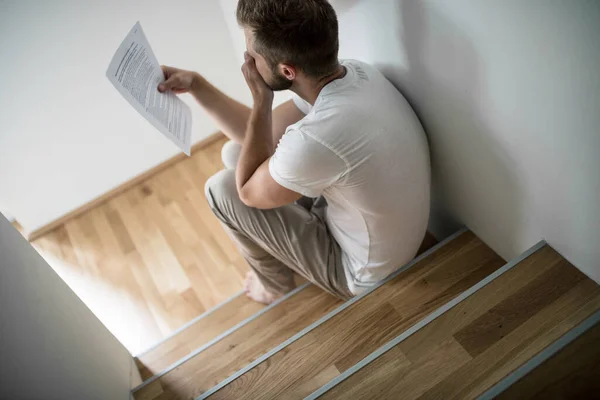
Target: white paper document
(135, 72)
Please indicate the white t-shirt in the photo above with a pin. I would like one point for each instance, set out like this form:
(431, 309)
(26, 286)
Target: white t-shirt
(362, 147)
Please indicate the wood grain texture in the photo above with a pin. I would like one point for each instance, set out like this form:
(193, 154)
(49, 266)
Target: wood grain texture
(572, 373)
(196, 335)
(242, 347)
(151, 258)
(33, 235)
(369, 323)
(486, 336)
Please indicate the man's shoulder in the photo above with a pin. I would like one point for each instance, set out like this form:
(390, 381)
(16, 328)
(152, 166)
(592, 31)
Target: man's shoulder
(362, 67)
(302, 137)
(354, 61)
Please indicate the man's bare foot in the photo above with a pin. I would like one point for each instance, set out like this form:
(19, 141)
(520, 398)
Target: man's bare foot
(256, 291)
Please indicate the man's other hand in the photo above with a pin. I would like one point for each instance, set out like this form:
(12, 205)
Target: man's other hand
(261, 92)
(178, 80)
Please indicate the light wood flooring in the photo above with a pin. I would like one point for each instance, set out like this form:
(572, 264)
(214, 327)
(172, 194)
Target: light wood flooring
(471, 347)
(572, 373)
(243, 346)
(152, 258)
(351, 335)
(196, 335)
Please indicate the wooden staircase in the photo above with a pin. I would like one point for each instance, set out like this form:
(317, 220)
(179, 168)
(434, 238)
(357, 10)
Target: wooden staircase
(456, 322)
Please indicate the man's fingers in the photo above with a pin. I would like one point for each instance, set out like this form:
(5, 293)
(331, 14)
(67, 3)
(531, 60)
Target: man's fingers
(249, 67)
(167, 71)
(169, 84)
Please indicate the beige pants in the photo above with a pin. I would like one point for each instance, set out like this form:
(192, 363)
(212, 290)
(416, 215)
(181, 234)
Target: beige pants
(278, 241)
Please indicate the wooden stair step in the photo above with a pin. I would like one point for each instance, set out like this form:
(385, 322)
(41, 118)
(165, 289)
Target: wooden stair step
(571, 373)
(469, 348)
(241, 347)
(200, 333)
(340, 342)
(197, 334)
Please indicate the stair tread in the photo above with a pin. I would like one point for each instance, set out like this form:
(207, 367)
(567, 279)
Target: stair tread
(241, 347)
(196, 335)
(345, 339)
(572, 373)
(468, 349)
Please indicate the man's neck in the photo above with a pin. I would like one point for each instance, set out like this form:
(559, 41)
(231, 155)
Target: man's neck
(310, 91)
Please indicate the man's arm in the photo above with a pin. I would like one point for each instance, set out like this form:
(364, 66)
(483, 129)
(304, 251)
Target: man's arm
(255, 185)
(230, 115)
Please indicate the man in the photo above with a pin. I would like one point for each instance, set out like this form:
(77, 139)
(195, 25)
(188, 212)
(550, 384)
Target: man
(333, 184)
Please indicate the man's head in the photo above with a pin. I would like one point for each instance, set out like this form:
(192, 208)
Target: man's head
(290, 37)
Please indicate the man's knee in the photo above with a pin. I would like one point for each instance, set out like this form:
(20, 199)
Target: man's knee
(230, 154)
(222, 194)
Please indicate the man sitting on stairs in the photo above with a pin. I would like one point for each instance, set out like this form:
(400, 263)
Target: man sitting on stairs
(333, 184)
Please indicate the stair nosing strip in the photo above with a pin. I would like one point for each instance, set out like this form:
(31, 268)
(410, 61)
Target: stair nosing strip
(219, 338)
(330, 315)
(188, 324)
(542, 356)
(424, 322)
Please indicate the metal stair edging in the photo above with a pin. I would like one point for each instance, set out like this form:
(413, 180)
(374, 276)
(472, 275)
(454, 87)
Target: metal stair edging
(328, 316)
(424, 322)
(219, 338)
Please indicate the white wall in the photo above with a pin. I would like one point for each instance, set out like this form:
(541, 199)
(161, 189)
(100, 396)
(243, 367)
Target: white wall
(4, 211)
(52, 346)
(509, 94)
(66, 135)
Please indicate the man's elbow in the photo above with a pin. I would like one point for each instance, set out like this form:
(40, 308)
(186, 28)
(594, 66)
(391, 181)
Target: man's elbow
(251, 199)
(245, 196)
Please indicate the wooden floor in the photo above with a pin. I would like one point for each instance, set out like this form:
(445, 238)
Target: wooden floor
(572, 373)
(196, 335)
(351, 335)
(152, 258)
(468, 349)
(241, 347)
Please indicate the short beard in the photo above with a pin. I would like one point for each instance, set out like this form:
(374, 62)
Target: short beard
(278, 82)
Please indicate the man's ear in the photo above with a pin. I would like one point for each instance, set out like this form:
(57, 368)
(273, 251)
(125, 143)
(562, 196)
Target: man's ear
(288, 71)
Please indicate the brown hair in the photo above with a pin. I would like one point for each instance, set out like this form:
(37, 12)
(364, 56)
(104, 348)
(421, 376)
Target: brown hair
(303, 33)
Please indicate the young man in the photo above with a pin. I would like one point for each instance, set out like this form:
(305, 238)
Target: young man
(333, 184)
